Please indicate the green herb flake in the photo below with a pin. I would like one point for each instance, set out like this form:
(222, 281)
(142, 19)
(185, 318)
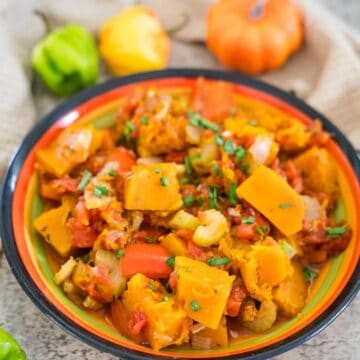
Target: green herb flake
(144, 120)
(188, 167)
(253, 122)
(188, 200)
(194, 156)
(100, 190)
(128, 130)
(310, 274)
(152, 286)
(184, 181)
(120, 253)
(219, 140)
(171, 261)
(86, 258)
(200, 201)
(232, 194)
(336, 231)
(261, 230)
(245, 169)
(149, 240)
(290, 251)
(285, 205)
(164, 181)
(157, 171)
(112, 172)
(87, 175)
(213, 261)
(216, 169)
(167, 297)
(233, 111)
(239, 153)
(195, 119)
(248, 220)
(229, 147)
(194, 305)
(213, 194)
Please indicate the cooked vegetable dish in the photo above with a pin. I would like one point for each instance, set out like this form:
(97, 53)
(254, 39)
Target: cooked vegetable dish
(199, 211)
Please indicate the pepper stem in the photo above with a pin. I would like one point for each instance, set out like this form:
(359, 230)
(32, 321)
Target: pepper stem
(44, 19)
(257, 10)
(180, 26)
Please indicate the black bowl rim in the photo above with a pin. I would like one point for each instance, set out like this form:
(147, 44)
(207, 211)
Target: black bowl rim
(35, 294)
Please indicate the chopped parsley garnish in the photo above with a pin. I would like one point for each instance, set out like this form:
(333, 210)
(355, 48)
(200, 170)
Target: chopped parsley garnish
(253, 122)
(195, 156)
(86, 258)
(128, 130)
(336, 231)
(245, 169)
(152, 286)
(249, 220)
(219, 140)
(164, 181)
(229, 147)
(112, 172)
(100, 190)
(194, 305)
(232, 194)
(200, 201)
(216, 169)
(184, 181)
(233, 111)
(167, 297)
(195, 119)
(188, 200)
(171, 261)
(157, 171)
(213, 261)
(120, 253)
(262, 230)
(188, 167)
(240, 153)
(213, 194)
(310, 274)
(288, 248)
(87, 175)
(144, 120)
(149, 240)
(286, 205)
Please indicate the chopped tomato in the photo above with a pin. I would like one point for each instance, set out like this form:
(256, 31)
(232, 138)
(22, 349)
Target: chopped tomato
(66, 183)
(236, 298)
(293, 176)
(176, 157)
(124, 157)
(81, 213)
(83, 236)
(173, 280)
(147, 259)
(194, 250)
(137, 323)
(185, 234)
(213, 99)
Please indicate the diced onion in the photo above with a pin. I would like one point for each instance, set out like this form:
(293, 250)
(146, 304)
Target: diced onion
(196, 328)
(201, 342)
(149, 160)
(193, 134)
(261, 148)
(233, 212)
(313, 209)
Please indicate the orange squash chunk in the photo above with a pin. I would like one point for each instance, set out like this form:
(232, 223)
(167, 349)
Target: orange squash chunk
(270, 194)
(153, 187)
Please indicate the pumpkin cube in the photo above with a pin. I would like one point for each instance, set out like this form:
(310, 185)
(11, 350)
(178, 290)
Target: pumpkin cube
(52, 226)
(270, 194)
(203, 290)
(153, 187)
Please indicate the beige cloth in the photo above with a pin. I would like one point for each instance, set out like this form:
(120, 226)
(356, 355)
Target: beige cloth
(326, 72)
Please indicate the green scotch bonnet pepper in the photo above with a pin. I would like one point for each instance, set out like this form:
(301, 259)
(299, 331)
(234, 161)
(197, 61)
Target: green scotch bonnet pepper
(66, 60)
(9, 348)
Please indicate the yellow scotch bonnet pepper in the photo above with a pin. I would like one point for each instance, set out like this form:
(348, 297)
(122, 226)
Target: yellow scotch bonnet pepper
(134, 41)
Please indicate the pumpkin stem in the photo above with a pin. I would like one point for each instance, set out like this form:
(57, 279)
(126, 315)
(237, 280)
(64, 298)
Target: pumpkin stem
(257, 10)
(184, 21)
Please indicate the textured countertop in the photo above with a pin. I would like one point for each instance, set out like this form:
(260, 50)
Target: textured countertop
(44, 341)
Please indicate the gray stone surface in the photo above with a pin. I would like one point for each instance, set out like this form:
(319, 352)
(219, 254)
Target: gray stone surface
(44, 341)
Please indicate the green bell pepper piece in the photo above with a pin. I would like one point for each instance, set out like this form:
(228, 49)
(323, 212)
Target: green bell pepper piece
(9, 348)
(66, 60)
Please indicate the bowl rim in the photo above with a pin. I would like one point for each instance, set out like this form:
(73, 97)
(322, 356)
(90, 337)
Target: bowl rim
(11, 174)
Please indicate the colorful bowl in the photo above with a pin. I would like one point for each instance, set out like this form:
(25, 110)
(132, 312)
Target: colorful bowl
(336, 287)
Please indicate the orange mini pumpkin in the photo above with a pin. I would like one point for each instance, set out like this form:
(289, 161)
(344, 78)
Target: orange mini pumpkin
(254, 36)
